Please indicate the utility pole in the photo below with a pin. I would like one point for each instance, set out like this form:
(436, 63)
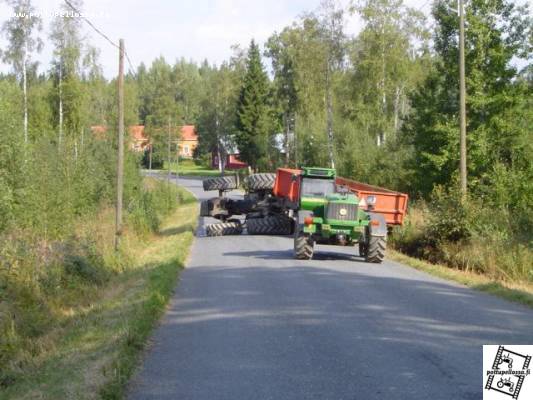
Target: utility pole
(169, 152)
(150, 156)
(120, 165)
(177, 149)
(462, 97)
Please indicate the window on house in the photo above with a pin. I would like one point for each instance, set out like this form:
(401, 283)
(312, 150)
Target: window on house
(186, 150)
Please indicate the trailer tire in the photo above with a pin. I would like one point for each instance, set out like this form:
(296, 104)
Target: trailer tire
(270, 225)
(303, 246)
(220, 183)
(223, 229)
(261, 181)
(375, 251)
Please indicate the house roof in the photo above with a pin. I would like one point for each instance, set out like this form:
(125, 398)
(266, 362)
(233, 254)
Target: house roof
(137, 132)
(99, 131)
(188, 132)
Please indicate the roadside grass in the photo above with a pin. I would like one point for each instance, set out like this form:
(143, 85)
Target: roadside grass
(517, 292)
(190, 168)
(95, 349)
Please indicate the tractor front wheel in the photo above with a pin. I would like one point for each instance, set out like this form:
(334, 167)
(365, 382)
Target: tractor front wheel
(362, 248)
(303, 246)
(375, 249)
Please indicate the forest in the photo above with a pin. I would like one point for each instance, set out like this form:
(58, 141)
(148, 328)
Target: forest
(381, 106)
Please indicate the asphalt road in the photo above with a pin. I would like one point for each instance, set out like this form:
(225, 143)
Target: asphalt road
(250, 322)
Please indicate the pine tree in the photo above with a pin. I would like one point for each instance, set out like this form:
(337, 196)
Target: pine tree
(253, 113)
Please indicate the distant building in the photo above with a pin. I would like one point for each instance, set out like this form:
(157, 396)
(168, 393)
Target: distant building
(188, 141)
(99, 131)
(231, 162)
(139, 141)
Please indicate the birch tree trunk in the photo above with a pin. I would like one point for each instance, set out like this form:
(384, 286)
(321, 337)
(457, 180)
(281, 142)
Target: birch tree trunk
(60, 139)
(381, 134)
(25, 92)
(287, 133)
(329, 106)
(219, 151)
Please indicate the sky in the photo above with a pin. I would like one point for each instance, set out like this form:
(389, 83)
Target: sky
(193, 29)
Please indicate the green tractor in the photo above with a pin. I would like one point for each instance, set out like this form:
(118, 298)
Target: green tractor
(328, 213)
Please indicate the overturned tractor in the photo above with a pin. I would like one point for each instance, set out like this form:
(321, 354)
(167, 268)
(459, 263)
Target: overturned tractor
(264, 213)
(310, 203)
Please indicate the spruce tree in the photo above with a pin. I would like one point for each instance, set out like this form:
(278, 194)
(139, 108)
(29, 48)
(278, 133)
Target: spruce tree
(496, 32)
(253, 113)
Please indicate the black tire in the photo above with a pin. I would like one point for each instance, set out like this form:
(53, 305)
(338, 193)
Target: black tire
(303, 246)
(376, 249)
(271, 225)
(220, 183)
(204, 208)
(362, 248)
(261, 181)
(223, 229)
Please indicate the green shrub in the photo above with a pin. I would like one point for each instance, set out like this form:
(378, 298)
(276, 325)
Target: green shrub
(43, 274)
(470, 235)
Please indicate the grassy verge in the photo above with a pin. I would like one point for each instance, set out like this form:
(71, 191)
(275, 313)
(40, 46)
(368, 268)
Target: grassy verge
(92, 349)
(517, 292)
(189, 168)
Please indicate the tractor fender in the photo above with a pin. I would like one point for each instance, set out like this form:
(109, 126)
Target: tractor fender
(377, 230)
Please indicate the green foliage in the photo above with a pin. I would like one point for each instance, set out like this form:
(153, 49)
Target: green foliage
(253, 113)
(492, 95)
(48, 268)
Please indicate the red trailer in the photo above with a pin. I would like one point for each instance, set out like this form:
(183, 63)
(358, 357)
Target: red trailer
(392, 205)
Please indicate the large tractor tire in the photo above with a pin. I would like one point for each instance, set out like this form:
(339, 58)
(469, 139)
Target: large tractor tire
(271, 225)
(375, 250)
(261, 181)
(223, 229)
(303, 246)
(220, 183)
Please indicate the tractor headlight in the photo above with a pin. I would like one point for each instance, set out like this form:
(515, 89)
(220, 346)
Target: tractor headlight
(371, 200)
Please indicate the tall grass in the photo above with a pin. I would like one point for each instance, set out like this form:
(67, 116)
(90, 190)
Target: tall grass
(43, 282)
(469, 235)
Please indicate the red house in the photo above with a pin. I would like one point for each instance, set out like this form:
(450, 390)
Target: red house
(231, 162)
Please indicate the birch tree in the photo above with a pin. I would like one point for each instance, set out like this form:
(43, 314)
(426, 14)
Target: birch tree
(331, 20)
(66, 37)
(21, 32)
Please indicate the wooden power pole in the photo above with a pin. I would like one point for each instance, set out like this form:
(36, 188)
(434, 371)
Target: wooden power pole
(462, 98)
(120, 164)
(169, 152)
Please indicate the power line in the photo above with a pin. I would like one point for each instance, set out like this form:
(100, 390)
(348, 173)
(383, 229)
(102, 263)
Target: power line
(91, 24)
(68, 3)
(423, 5)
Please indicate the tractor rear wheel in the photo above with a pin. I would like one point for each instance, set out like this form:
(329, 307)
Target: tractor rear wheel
(220, 183)
(271, 225)
(261, 181)
(303, 246)
(375, 250)
(223, 229)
